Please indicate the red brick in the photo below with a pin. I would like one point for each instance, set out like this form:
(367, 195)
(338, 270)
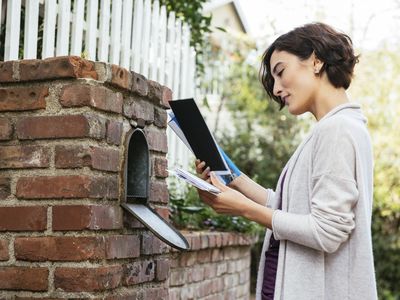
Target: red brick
(81, 156)
(120, 77)
(4, 249)
(56, 67)
(122, 246)
(18, 157)
(155, 91)
(139, 84)
(162, 269)
(5, 189)
(160, 117)
(217, 255)
(82, 217)
(24, 278)
(187, 259)
(95, 96)
(139, 110)
(87, 279)
(30, 298)
(152, 245)
(160, 167)
(6, 129)
(158, 192)
(138, 272)
(65, 248)
(195, 242)
(163, 212)
(50, 127)
(204, 256)
(23, 98)
(23, 218)
(196, 276)
(204, 241)
(131, 222)
(70, 186)
(130, 295)
(157, 140)
(166, 97)
(205, 288)
(6, 71)
(114, 132)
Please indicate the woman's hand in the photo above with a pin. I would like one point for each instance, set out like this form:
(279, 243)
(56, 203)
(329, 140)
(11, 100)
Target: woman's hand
(204, 173)
(228, 201)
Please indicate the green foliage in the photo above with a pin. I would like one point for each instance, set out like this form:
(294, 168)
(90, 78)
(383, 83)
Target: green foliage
(190, 212)
(377, 87)
(191, 13)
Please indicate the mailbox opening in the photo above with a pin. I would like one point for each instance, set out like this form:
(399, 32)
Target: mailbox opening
(137, 178)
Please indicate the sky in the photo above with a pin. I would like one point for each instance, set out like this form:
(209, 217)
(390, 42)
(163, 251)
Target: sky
(370, 23)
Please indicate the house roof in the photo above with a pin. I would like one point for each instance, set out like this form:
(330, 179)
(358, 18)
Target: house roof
(213, 4)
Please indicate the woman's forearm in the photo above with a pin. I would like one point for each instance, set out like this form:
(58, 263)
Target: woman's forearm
(250, 189)
(259, 213)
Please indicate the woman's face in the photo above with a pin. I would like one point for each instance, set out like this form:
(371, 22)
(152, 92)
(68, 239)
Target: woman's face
(296, 82)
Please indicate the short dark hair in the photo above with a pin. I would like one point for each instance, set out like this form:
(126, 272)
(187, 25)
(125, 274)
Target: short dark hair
(335, 49)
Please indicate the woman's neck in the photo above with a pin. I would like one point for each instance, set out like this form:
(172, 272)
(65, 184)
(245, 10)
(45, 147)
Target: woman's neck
(327, 100)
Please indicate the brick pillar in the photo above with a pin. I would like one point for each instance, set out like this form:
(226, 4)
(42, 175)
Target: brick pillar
(63, 233)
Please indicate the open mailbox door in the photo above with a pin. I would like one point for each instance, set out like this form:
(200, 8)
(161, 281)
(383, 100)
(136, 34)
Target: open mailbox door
(137, 178)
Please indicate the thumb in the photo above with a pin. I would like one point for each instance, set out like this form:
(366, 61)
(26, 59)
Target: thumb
(216, 182)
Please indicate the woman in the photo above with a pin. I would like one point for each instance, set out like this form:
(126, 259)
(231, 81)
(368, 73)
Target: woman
(318, 243)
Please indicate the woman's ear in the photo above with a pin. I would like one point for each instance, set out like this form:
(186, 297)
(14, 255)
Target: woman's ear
(317, 64)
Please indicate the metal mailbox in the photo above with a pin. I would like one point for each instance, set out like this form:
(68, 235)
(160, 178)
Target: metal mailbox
(136, 183)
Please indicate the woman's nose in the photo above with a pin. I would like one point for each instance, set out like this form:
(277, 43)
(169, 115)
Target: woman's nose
(277, 90)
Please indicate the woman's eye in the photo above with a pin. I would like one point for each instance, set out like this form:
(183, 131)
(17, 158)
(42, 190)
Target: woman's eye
(280, 73)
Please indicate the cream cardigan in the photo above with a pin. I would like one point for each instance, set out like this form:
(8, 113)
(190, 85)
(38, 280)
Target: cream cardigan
(325, 222)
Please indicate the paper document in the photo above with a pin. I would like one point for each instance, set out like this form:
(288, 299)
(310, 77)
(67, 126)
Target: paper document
(195, 181)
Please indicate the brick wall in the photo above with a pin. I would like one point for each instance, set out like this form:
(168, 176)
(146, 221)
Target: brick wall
(217, 267)
(63, 234)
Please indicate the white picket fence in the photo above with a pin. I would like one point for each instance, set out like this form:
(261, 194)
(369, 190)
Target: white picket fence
(137, 35)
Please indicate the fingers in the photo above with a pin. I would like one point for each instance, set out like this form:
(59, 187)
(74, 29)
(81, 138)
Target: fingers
(204, 173)
(206, 197)
(216, 182)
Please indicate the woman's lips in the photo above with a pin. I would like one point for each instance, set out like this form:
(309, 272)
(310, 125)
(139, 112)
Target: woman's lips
(286, 99)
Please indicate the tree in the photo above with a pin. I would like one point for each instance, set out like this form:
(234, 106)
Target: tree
(377, 87)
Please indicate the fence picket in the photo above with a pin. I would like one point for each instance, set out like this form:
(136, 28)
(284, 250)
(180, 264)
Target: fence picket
(50, 14)
(104, 31)
(77, 27)
(64, 15)
(177, 58)
(12, 29)
(137, 35)
(185, 61)
(155, 31)
(169, 72)
(126, 33)
(146, 39)
(115, 31)
(31, 28)
(91, 29)
(163, 45)
(1, 10)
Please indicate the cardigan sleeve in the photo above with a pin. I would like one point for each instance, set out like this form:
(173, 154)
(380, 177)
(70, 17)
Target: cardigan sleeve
(334, 194)
(270, 195)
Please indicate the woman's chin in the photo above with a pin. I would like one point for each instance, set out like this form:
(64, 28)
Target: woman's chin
(295, 110)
